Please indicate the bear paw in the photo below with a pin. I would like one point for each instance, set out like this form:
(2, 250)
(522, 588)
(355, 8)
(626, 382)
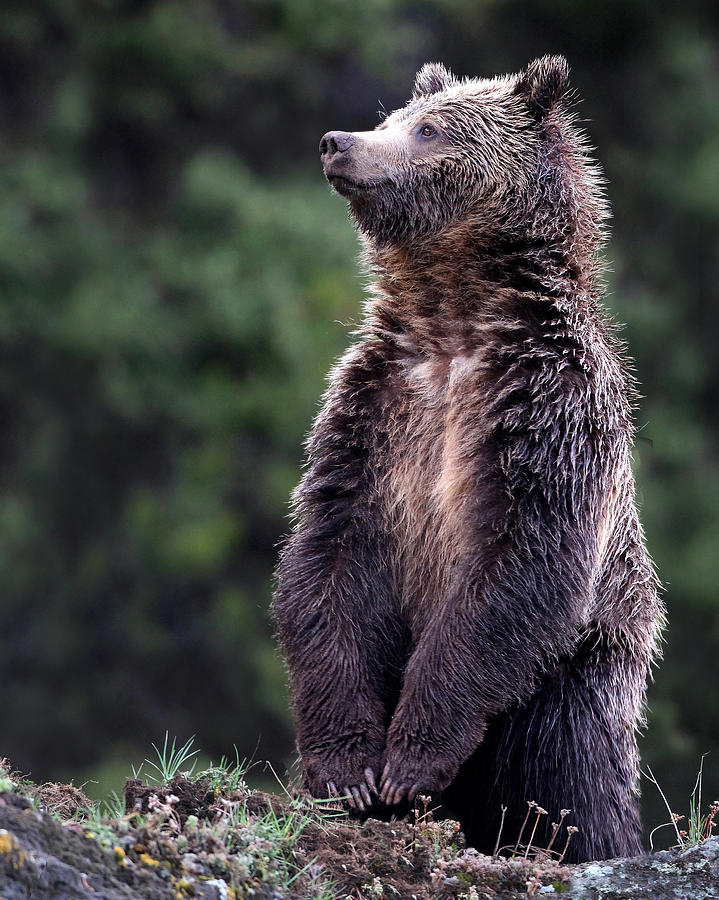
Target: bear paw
(352, 779)
(411, 770)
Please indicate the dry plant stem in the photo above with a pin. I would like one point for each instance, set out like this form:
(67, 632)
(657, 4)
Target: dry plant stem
(698, 784)
(530, 805)
(563, 813)
(654, 781)
(540, 812)
(499, 833)
(555, 831)
(415, 827)
(571, 829)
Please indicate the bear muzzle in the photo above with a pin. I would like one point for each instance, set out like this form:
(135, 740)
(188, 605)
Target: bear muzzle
(347, 164)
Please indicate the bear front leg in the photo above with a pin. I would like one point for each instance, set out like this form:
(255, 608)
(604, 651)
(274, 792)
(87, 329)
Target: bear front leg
(333, 605)
(440, 717)
(331, 615)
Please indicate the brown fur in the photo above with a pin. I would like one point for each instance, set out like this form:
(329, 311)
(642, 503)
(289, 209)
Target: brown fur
(465, 603)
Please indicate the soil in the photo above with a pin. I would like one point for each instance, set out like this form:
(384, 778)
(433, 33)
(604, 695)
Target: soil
(193, 797)
(420, 863)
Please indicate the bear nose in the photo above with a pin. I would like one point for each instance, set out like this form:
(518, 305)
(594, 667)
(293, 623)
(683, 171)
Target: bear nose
(336, 142)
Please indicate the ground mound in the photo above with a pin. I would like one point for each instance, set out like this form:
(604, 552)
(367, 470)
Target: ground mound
(210, 837)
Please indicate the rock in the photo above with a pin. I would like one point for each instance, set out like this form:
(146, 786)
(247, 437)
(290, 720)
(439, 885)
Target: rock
(691, 874)
(41, 860)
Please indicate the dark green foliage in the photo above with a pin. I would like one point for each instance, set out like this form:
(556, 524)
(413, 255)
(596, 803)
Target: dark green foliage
(172, 275)
(166, 322)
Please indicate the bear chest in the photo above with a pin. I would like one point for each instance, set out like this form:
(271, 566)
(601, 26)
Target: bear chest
(430, 468)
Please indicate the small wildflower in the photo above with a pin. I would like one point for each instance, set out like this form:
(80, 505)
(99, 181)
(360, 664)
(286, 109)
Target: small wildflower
(571, 829)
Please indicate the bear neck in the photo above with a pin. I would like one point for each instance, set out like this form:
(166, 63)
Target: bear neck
(441, 293)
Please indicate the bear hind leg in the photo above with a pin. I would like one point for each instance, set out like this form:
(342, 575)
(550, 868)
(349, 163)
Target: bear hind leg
(571, 746)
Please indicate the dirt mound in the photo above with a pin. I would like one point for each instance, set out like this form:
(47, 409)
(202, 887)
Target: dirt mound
(421, 861)
(192, 839)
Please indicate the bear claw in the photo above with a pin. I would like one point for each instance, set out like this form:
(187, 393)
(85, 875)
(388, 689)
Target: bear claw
(393, 790)
(360, 796)
(357, 796)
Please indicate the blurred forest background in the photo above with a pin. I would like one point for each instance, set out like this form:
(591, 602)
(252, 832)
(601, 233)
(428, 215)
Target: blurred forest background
(173, 275)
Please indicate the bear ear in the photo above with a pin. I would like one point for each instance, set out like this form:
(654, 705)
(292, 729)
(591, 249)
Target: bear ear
(431, 78)
(543, 83)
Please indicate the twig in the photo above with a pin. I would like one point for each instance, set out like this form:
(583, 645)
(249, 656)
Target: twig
(499, 833)
(268, 764)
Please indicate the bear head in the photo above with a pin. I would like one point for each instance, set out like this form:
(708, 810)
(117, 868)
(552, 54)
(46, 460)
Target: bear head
(461, 150)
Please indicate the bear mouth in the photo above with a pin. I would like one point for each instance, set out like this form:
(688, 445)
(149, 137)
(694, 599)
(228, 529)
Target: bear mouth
(350, 187)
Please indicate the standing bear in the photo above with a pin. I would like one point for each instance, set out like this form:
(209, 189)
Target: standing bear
(465, 602)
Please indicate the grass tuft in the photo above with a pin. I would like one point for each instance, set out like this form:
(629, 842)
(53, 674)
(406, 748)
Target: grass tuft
(171, 759)
(699, 825)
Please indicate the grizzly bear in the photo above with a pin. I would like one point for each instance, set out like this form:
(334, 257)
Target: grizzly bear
(465, 603)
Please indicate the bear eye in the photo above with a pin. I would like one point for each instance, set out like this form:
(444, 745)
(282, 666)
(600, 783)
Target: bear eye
(428, 130)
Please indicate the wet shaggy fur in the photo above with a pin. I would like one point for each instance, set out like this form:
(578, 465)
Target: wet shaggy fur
(465, 602)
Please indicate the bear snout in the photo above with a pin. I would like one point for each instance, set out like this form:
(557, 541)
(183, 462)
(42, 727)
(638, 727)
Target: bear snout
(353, 162)
(335, 142)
